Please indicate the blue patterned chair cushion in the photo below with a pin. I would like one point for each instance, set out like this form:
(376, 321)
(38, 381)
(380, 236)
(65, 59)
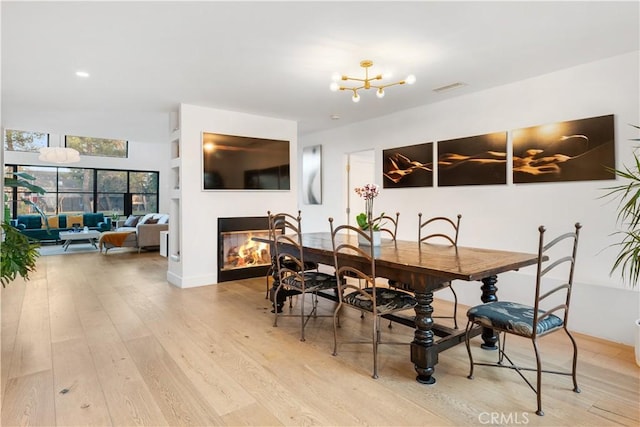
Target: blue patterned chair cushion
(313, 281)
(387, 300)
(513, 317)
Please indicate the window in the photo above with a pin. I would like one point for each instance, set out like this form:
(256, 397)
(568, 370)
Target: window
(77, 190)
(9, 197)
(143, 187)
(45, 177)
(112, 188)
(97, 146)
(18, 140)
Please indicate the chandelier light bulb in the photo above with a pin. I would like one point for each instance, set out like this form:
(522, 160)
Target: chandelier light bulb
(336, 76)
(380, 93)
(411, 79)
(356, 97)
(334, 87)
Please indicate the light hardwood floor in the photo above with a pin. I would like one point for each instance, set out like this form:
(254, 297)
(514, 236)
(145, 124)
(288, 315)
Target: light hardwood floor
(105, 340)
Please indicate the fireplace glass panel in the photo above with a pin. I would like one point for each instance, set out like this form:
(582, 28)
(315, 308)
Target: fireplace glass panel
(240, 251)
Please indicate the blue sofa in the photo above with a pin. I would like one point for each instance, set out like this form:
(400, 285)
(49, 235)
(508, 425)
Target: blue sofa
(31, 225)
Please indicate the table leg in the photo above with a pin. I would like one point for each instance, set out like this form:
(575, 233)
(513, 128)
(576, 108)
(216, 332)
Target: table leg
(423, 353)
(489, 290)
(66, 244)
(274, 286)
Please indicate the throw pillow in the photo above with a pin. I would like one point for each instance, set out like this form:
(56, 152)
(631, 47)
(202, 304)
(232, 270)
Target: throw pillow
(53, 221)
(74, 219)
(131, 221)
(144, 219)
(152, 221)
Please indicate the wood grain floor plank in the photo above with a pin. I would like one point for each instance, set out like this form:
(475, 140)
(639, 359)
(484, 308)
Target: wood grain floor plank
(32, 347)
(65, 324)
(177, 398)
(251, 415)
(11, 299)
(29, 401)
(79, 399)
(124, 319)
(127, 395)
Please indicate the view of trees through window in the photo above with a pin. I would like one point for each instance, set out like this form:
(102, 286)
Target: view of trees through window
(18, 140)
(88, 146)
(74, 190)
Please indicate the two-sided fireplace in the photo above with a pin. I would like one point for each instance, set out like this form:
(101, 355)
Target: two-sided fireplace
(239, 257)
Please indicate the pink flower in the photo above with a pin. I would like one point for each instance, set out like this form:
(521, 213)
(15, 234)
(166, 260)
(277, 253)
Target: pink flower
(368, 192)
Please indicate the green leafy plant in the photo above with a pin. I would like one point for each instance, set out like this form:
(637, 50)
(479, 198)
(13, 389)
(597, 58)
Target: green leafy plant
(18, 252)
(628, 258)
(363, 222)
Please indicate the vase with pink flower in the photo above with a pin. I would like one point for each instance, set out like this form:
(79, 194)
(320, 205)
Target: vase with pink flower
(365, 219)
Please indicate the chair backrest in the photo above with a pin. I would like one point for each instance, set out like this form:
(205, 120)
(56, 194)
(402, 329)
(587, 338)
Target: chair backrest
(438, 227)
(277, 219)
(345, 247)
(388, 224)
(561, 253)
(285, 228)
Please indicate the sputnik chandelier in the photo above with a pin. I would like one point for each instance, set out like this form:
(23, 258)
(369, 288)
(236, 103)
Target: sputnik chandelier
(366, 83)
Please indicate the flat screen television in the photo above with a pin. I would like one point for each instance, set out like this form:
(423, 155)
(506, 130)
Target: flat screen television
(232, 162)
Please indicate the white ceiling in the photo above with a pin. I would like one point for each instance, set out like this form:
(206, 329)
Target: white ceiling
(276, 58)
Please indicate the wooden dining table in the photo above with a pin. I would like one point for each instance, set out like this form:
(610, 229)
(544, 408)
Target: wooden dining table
(425, 268)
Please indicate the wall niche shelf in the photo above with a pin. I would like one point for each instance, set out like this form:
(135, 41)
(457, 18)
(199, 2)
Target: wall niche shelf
(175, 208)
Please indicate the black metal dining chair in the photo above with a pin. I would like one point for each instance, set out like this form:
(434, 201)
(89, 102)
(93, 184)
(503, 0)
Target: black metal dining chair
(388, 225)
(271, 272)
(446, 230)
(548, 314)
(357, 287)
(293, 274)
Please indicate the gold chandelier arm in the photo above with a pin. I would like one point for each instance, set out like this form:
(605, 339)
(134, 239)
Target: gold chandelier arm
(351, 88)
(401, 82)
(345, 78)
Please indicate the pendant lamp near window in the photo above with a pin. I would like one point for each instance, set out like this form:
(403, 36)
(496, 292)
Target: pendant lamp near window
(59, 155)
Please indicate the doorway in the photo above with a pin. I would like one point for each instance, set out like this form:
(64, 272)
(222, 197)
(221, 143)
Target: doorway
(360, 171)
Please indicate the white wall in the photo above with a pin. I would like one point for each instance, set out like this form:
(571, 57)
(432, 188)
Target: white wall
(148, 154)
(507, 216)
(200, 209)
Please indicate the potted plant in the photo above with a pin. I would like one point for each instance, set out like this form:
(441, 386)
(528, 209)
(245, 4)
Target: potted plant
(365, 219)
(628, 258)
(18, 252)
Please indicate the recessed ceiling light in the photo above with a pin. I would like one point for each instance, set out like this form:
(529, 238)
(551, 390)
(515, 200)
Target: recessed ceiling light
(82, 74)
(335, 117)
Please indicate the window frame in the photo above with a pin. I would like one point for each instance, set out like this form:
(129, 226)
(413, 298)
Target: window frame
(83, 153)
(4, 140)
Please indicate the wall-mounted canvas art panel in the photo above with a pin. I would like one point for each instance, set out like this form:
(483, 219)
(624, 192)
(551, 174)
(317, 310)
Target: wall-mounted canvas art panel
(410, 166)
(312, 175)
(474, 160)
(575, 150)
